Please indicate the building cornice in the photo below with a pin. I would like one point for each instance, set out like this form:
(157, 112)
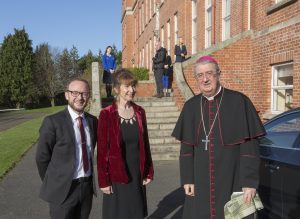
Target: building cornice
(279, 26)
(217, 47)
(279, 5)
(183, 86)
(129, 11)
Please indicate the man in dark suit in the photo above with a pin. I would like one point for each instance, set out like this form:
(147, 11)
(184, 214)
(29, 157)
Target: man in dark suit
(180, 51)
(64, 156)
(158, 67)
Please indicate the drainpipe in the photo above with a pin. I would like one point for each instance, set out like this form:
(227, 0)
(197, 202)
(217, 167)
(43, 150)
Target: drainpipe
(156, 30)
(213, 15)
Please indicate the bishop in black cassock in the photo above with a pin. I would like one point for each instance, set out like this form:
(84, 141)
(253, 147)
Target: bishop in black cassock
(219, 149)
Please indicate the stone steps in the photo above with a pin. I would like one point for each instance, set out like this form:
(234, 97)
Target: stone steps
(154, 120)
(162, 115)
(158, 104)
(162, 140)
(153, 99)
(162, 109)
(164, 148)
(161, 126)
(165, 156)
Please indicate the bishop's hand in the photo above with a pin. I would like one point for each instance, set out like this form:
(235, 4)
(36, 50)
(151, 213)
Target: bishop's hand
(189, 189)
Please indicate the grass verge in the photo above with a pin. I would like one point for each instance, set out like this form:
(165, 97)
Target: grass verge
(14, 142)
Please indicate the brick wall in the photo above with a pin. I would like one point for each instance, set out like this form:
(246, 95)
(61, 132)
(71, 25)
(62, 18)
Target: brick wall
(246, 64)
(275, 48)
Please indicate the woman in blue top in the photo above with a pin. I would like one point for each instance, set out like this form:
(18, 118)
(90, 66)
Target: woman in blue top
(109, 67)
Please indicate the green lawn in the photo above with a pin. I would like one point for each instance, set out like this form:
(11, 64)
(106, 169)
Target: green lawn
(14, 142)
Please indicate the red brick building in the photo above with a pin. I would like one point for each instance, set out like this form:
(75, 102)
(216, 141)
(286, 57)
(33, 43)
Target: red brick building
(257, 44)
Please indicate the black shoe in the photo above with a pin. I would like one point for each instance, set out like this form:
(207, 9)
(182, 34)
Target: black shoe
(160, 95)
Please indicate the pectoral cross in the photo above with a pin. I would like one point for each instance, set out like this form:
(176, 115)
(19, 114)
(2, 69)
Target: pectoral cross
(206, 141)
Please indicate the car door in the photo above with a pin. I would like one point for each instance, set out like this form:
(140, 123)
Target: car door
(279, 170)
(291, 182)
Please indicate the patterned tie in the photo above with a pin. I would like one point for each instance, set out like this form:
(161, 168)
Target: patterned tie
(83, 145)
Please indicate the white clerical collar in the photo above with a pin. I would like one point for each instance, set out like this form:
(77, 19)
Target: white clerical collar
(73, 114)
(213, 97)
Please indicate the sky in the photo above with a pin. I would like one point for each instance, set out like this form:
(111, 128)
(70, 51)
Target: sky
(86, 24)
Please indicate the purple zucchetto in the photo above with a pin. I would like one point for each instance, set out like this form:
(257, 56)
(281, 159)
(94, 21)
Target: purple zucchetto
(207, 59)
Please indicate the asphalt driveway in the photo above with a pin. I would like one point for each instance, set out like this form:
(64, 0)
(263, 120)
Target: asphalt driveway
(20, 187)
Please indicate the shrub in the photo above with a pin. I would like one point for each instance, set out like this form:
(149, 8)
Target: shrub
(141, 74)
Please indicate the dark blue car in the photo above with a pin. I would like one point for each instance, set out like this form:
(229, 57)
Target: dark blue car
(280, 167)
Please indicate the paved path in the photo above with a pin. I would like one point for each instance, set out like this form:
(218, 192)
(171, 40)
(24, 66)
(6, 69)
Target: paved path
(19, 192)
(12, 118)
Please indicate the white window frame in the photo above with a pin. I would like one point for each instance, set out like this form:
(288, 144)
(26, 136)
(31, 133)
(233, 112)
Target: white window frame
(226, 14)
(175, 28)
(136, 29)
(143, 17)
(169, 37)
(146, 11)
(150, 53)
(140, 59)
(143, 57)
(194, 26)
(146, 58)
(162, 36)
(208, 29)
(150, 9)
(140, 21)
(275, 87)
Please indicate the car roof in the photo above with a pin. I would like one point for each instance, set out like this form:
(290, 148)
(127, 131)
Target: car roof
(283, 114)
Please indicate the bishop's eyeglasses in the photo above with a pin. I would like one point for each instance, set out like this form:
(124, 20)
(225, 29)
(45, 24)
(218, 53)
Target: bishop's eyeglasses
(208, 74)
(77, 93)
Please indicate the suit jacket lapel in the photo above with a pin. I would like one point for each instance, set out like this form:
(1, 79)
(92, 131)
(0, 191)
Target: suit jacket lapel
(69, 124)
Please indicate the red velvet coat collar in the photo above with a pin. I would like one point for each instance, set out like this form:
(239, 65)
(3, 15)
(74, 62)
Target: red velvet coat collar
(111, 164)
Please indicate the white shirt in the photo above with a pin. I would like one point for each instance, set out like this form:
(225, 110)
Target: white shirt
(79, 171)
(213, 97)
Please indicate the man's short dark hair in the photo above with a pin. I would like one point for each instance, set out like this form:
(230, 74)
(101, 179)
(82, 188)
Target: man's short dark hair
(76, 79)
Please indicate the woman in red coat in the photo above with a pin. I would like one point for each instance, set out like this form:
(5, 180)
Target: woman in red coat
(124, 159)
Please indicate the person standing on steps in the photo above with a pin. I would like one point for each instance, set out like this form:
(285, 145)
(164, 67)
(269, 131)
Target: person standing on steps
(180, 51)
(158, 67)
(166, 76)
(109, 66)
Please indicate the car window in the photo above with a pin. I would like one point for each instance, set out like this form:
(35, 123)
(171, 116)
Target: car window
(292, 125)
(283, 132)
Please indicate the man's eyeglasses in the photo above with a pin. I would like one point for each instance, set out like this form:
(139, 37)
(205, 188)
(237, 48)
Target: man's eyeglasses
(77, 93)
(208, 74)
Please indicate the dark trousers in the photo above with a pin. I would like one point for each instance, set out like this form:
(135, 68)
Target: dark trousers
(158, 73)
(78, 203)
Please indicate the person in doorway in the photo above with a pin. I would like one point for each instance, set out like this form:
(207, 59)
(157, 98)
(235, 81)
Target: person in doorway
(64, 156)
(219, 154)
(180, 51)
(109, 66)
(124, 159)
(158, 67)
